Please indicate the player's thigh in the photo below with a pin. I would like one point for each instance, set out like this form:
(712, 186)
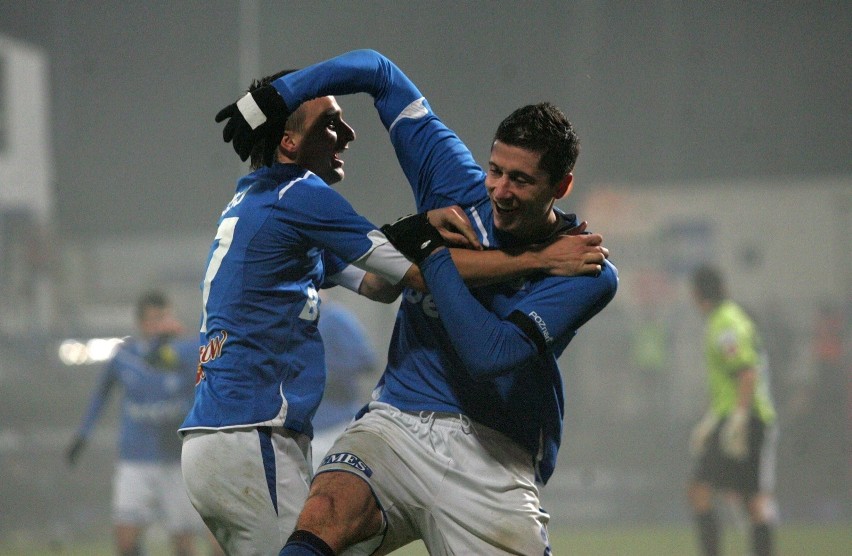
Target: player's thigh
(133, 494)
(489, 500)
(386, 449)
(176, 511)
(248, 485)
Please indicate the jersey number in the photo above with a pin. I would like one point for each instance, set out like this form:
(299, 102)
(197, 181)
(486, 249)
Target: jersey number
(224, 235)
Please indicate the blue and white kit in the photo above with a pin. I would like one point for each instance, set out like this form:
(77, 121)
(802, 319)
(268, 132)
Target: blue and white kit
(280, 238)
(154, 400)
(156, 394)
(454, 351)
(246, 455)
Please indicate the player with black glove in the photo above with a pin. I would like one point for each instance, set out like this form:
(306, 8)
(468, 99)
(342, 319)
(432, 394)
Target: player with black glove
(259, 115)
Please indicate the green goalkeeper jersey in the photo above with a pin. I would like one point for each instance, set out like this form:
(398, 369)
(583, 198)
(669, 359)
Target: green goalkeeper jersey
(733, 344)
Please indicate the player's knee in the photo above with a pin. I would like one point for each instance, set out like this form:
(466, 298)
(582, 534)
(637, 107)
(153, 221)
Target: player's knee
(762, 509)
(340, 507)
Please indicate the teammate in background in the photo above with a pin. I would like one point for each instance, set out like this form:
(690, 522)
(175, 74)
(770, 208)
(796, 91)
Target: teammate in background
(350, 358)
(156, 371)
(467, 418)
(735, 443)
(285, 234)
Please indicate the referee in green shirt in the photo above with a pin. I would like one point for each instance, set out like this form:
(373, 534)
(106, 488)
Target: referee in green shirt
(734, 444)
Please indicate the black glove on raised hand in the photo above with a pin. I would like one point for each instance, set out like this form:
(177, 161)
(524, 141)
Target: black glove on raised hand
(72, 454)
(414, 236)
(259, 115)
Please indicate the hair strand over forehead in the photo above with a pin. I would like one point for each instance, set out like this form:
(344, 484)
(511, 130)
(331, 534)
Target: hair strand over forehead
(544, 129)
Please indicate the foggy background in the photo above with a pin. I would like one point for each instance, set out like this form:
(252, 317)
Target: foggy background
(710, 131)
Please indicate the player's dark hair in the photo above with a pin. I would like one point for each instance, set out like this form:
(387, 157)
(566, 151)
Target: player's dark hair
(708, 283)
(152, 298)
(270, 142)
(544, 129)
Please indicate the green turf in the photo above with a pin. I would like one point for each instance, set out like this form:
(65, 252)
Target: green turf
(792, 540)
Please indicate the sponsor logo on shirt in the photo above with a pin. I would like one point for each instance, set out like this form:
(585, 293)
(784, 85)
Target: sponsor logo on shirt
(209, 352)
(541, 326)
(348, 459)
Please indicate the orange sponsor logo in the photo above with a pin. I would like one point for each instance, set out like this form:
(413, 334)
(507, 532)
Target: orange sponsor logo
(209, 352)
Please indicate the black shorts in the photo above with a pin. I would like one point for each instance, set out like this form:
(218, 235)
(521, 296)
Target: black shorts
(754, 474)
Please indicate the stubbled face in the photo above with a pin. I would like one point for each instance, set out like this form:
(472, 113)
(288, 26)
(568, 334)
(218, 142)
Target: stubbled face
(324, 138)
(521, 193)
(160, 321)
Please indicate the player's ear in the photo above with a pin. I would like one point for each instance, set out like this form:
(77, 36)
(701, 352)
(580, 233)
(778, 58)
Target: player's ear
(289, 144)
(564, 187)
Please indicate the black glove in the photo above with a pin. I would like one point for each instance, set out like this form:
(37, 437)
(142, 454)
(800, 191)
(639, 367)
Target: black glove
(258, 116)
(72, 454)
(414, 236)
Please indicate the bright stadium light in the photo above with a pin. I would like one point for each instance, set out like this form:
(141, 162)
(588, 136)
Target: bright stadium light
(74, 352)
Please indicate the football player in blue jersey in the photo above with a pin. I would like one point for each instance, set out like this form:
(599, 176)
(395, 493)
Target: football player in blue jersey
(285, 234)
(466, 420)
(156, 372)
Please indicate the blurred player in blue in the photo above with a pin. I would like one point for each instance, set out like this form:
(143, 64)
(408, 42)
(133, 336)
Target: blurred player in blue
(734, 445)
(350, 359)
(285, 234)
(156, 373)
(467, 418)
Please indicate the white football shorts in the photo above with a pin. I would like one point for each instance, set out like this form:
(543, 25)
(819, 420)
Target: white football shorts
(248, 484)
(461, 487)
(145, 493)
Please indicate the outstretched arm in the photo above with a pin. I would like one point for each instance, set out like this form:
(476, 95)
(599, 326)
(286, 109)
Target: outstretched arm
(96, 405)
(439, 167)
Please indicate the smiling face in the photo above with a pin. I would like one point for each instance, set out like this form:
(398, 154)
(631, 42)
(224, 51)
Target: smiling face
(521, 193)
(319, 141)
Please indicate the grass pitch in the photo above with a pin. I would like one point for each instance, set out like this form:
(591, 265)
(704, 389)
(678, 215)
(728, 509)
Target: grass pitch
(792, 540)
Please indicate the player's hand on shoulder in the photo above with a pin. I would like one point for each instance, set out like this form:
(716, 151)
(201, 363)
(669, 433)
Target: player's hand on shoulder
(454, 226)
(257, 116)
(574, 254)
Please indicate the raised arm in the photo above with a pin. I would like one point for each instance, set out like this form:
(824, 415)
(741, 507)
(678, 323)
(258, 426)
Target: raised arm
(439, 167)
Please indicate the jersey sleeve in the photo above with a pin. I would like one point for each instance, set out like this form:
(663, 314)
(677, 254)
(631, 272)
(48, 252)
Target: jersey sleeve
(99, 399)
(325, 219)
(489, 345)
(439, 167)
(333, 265)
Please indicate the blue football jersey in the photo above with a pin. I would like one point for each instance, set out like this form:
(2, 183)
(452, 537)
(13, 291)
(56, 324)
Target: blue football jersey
(156, 383)
(261, 356)
(435, 365)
